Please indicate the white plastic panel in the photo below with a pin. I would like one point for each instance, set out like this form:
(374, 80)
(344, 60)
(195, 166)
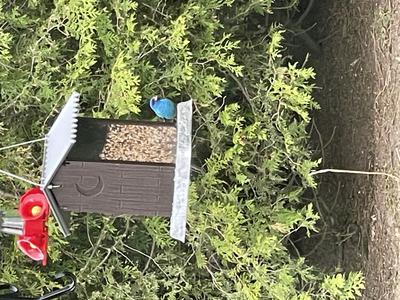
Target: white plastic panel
(60, 139)
(182, 171)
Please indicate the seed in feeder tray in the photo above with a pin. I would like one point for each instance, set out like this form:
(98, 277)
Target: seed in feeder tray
(144, 143)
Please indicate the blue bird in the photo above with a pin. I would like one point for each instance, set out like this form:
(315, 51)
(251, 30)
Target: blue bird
(164, 108)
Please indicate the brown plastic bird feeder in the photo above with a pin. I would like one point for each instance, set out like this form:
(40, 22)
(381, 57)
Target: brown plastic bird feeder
(125, 167)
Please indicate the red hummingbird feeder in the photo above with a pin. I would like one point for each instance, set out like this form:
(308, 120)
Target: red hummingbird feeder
(34, 211)
(35, 205)
(30, 226)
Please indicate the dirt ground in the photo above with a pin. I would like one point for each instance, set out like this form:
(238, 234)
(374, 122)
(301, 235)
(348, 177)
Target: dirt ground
(358, 128)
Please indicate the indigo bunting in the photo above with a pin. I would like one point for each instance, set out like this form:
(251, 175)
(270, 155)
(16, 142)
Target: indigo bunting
(164, 108)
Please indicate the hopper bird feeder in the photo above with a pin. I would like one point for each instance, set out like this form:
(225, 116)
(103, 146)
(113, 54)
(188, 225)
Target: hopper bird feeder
(125, 167)
(114, 167)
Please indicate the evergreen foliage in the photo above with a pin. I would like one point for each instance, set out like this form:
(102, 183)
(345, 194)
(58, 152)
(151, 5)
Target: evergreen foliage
(251, 113)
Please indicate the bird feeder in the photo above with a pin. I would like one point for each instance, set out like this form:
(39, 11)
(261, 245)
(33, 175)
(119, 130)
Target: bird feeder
(124, 167)
(113, 167)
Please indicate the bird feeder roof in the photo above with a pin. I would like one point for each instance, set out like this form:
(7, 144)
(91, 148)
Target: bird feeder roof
(59, 141)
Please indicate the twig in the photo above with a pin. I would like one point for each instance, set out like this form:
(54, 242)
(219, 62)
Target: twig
(294, 247)
(148, 256)
(189, 258)
(321, 142)
(244, 91)
(141, 55)
(87, 232)
(156, 10)
(102, 261)
(99, 240)
(216, 262)
(202, 125)
(320, 212)
(122, 254)
(336, 196)
(319, 243)
(7, 195)
(214, 280)
(331, 138)
(325, 232)
(305, 13)
(151, 255)
(348, 234)
(287, 7)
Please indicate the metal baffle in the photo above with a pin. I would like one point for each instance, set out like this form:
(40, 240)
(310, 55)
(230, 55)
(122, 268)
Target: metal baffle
(11, 225)
(182, 171)
(59, 141)
(13, 222)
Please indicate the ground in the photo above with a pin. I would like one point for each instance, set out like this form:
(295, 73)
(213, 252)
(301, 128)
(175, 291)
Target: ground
(358, 128)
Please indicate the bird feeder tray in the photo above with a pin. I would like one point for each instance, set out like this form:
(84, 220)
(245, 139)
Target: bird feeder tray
(124, 141)
(140, 143)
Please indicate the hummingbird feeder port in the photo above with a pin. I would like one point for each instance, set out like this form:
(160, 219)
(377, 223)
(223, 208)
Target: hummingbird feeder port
(34, 205)
(31, 248)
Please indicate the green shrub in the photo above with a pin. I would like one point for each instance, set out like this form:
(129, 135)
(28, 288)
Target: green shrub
(251, 113)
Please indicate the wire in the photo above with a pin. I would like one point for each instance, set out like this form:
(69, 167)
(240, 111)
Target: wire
(313, 173)
(16, 176)
(22, 144)
(20, 178)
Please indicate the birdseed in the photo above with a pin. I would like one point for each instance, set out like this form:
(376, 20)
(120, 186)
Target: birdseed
(141, 143)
